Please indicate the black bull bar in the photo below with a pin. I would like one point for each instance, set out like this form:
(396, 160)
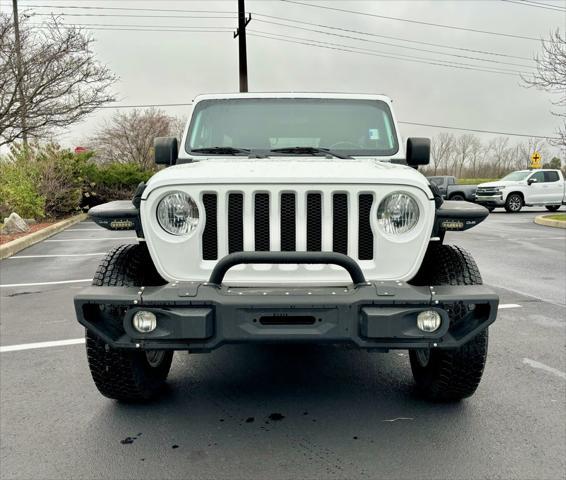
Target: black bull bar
(201, 316)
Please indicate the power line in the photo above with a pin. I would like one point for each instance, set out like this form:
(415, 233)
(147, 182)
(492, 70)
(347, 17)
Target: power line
(180, 28)
(387, 36)
(388, 54)
(157, 28)
(126, 15)
(478, 130)
(494, 132)
(397, 45)
(133, 9)
(350, 49)
(430, 24)
(148, 29)
(546, 6)
(265, 21)
(125, 27)
(147, 105)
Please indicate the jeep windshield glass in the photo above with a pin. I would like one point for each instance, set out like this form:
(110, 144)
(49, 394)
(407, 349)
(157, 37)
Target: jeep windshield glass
(516, 176)
(344, 127)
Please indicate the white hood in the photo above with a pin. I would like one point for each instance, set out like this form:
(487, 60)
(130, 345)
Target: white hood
(281, 170)
(500, 183)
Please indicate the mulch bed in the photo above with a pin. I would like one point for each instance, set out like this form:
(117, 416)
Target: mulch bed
(33, 228)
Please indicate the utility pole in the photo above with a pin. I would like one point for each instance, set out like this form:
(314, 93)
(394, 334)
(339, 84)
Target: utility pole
(241, 34)
(20, 79)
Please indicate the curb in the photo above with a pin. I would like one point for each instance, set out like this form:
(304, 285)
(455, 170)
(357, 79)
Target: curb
(541, 220)
(10, 248)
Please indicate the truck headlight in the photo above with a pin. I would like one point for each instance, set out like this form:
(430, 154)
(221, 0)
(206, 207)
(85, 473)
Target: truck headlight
(177, 213)
(397, 213)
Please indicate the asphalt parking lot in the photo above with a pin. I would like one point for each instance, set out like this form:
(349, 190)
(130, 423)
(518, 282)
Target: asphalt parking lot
(286, 412)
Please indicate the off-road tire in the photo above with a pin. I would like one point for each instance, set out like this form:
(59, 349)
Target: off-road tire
(514, 203)
(449, 374)
(126, 375)
(552, 208)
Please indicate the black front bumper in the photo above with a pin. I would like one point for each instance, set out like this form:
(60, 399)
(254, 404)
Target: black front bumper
(203, 316)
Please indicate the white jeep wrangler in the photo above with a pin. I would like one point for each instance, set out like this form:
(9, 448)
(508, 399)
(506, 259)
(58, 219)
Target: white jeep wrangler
(288, 218)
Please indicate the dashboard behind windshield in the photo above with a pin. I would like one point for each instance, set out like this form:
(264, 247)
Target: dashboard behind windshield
(346, 126)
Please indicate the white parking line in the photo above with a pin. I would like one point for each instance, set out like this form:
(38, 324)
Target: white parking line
(85, 229)
(32, 346)
(542, 366)
(509, 305)
(91, 239)
(12, 285)
(61, 255)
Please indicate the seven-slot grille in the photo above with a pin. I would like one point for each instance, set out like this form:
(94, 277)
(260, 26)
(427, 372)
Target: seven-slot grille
(287, 230)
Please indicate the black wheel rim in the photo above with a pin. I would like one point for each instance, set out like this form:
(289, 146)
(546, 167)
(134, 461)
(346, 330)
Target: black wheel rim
(515, 203)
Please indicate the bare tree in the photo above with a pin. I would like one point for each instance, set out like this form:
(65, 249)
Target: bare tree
(441, 151)
(551, 76)
(128, 136)
(476, 155)
(498, 153)
(58, 82)
(462, 152)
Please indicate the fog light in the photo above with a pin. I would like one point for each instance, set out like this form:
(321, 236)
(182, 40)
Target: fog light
(144, 322)
(429, 321)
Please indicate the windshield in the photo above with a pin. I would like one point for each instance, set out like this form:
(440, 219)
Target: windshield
(347, 127)
(516, 176)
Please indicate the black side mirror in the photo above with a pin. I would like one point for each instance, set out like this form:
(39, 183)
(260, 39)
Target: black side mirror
(418, 151)
(530, 181)
(166, 150)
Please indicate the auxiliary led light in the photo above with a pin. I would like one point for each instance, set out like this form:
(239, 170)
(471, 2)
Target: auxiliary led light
(144, 322)
(429, 321)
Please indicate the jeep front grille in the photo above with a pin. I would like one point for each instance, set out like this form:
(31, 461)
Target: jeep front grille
(349, 215)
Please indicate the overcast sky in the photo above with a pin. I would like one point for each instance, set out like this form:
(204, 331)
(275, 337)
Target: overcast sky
(173, 67)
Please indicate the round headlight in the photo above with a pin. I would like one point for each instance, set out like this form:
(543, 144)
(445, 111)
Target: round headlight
(397, 213)
(177, 213)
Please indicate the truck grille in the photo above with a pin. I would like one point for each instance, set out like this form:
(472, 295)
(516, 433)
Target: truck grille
(298, 223)
(486, 190)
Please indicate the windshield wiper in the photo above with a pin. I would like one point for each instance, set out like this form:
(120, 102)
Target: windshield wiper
(308, 150)
(221, 150)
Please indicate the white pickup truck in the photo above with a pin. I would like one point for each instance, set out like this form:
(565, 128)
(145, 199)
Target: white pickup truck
(524, 188)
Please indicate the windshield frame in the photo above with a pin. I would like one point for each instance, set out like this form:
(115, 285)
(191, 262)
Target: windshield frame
(384, 106)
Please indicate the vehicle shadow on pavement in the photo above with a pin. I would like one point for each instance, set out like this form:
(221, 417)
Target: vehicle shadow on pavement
(305, 385)
(292, 411)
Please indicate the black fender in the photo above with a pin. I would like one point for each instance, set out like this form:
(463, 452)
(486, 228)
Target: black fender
(120, 214)
(117, 215)
(455, 215)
